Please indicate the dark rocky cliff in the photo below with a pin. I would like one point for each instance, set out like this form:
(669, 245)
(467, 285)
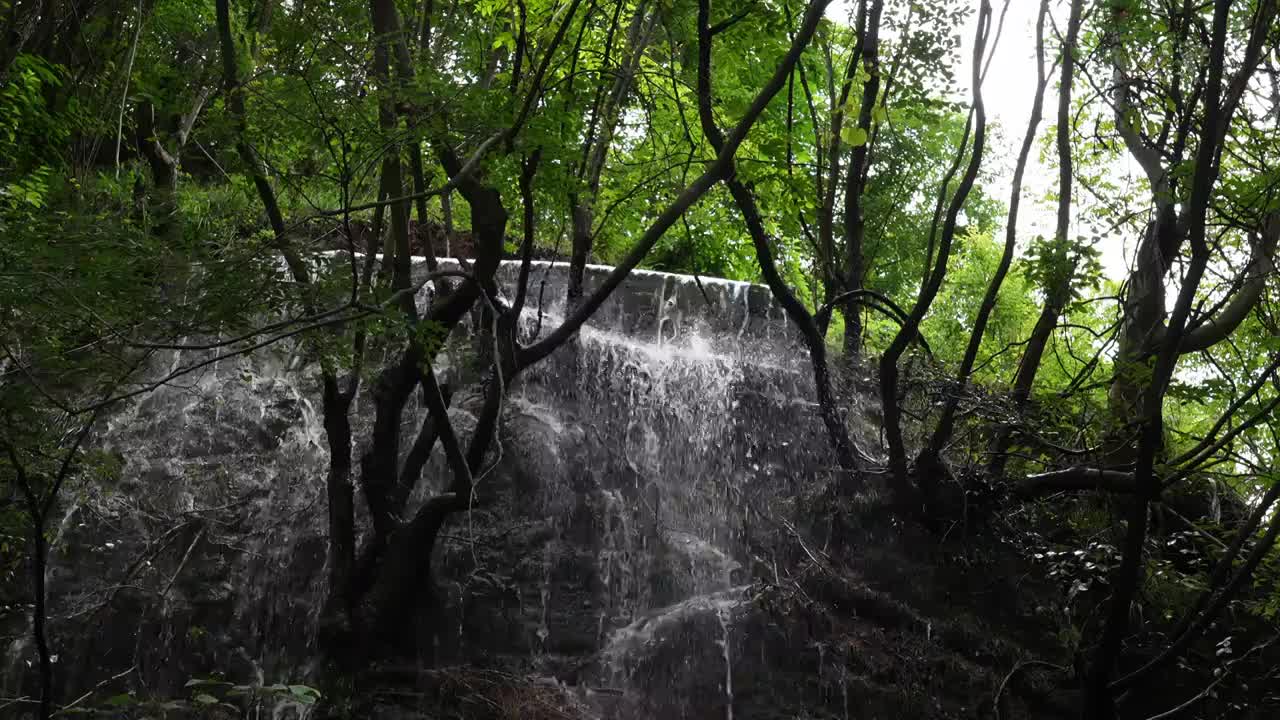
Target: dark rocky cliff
(634, 546)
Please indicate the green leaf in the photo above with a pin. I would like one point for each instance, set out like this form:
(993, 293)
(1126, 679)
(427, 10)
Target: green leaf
(199, 682)
(120, 700)
(855, 137)
(305, 694)
(504, 38)
(206, 699)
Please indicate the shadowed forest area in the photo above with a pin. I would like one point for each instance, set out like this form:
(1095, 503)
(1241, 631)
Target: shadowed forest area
(567, 359)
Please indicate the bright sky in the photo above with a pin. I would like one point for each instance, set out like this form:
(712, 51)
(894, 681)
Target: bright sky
(1008, 92)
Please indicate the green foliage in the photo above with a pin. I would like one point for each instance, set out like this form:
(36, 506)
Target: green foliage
(31, 132)
(947, 326)
(206, 695)
(1063, 269)
(210, 691)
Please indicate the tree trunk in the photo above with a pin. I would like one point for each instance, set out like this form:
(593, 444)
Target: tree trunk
(1127, 580)
(1056, 296)
(419, 187)
(39, 562)
(1025, 379)
(889, 388)
(386, 25)
(164, 176)
(606, 112)
(1144, 312)
(581, 220)
(856, 182)
(337, 619)
(946, 422)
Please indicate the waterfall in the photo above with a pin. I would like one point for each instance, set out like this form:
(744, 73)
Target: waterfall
(616, 532)
(688, 397)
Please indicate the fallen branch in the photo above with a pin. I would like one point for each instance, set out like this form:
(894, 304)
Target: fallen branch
(1077, 478)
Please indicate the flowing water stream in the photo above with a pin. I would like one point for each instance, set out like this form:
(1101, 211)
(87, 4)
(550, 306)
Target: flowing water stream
(653, 451)
(698, 401)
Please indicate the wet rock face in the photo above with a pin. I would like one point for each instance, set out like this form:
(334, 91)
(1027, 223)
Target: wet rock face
(637, 468)
(202, 551)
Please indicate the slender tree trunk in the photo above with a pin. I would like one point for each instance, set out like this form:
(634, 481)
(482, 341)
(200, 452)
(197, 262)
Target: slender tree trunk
(1056, 296)
(580, 249)
(386, 26)
(446, 210)
(39, 612)
(234, 97)
(855, 184)
(1099, 702)
(38, 509)
(338, 619)
(889, 388)
(128, 75)
(164, 176)
(600, 132)
(419, 187)
(834, 278)
(946, 421)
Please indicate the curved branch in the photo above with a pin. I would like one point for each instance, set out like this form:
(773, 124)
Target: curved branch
(745, 199)
(694, 192)
(876, 301)
(889, 401)
(1251, 284)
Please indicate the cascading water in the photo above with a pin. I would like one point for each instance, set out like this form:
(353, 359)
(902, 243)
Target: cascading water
(687, 392)
(639, 463)
(203, 553)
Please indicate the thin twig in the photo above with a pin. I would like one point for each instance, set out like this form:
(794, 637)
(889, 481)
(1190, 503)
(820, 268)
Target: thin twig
(1017, 669)
(95, 689)
(183, 563)
(124, 94)
(1226, 672)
